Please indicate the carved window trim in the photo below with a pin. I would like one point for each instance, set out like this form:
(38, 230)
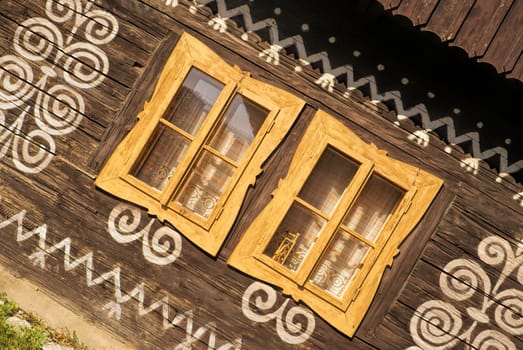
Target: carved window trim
(116, 179)
(347, 312)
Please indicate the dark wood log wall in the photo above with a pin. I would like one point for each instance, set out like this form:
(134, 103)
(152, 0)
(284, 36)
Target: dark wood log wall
(456, 274)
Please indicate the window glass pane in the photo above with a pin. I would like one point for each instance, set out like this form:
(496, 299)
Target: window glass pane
(342, 258)
(193, 101)
(238, 127)
(373, 207)
(160, 157)
(294, 238)
(206, 183)
(330, 177)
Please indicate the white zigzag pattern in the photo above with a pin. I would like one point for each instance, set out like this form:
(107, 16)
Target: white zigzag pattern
(347, 71)
(114, 307)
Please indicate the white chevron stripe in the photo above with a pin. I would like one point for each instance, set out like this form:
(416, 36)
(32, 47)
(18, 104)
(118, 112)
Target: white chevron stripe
(346, 71)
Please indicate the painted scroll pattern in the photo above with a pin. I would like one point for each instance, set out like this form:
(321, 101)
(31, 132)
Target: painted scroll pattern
(42, 81)
(258, 301)
(162, 248)
(440, 325)
(114, 279)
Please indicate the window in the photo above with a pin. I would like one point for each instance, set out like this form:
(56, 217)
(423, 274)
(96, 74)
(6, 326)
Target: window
(335, 222)
(198, 143)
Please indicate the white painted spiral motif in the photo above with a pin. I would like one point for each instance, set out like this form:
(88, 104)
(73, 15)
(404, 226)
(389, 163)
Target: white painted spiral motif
(509, 310)
(32, 152)
(458, 272)
(492, 340)
(298, 323)
(163, 248)
(87, 63)
(435, 325)
(60, 111)
(37, 38)
(14, 77)
(496, 306)
(62, 11)
(101, 28)
(37, 150)
(494, 250)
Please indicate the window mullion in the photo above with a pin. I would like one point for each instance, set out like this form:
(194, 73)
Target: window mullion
(331, 227)
(197, 143)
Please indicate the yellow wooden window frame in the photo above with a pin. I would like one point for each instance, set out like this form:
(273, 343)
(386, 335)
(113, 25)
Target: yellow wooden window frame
(115, 177)
(419, 188)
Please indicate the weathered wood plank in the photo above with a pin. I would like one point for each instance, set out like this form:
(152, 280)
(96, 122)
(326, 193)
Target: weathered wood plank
(475, 39)
(447, 18)
(411, 250)
(418, 11)
(507, 45)
(461, 230)
(64, 197)
(141, 92)
(139, 16)
(517, 72)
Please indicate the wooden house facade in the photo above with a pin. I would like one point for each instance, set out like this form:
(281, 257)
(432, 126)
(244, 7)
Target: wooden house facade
(184, 176)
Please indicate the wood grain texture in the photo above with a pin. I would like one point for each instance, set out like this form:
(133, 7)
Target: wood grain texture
(507, 45)
(517, 72)
(418, 11)
(447, 18)
(481, 25)
(141, 92)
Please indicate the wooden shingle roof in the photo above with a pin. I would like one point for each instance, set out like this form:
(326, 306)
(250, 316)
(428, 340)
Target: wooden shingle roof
(489, 30)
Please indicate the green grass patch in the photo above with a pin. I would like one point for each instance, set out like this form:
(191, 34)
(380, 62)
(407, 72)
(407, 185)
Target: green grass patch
(13, 338)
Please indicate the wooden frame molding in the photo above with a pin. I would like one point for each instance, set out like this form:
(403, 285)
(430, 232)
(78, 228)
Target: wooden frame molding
(346, 310)
(118, 176)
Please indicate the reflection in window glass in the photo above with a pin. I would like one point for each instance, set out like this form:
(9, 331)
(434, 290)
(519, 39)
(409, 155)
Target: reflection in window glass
(193, 101)
(329, 179)
(158, 161)
(206, 183)
(373, 207)
(294, 237)
(343, 257)
(238, 127)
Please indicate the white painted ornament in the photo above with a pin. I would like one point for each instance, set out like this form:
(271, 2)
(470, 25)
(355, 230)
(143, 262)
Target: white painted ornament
(272, 54)
(258, 301)
(219, 24)
(420, 137)
(492, 320)
(162, 248)
(326, 81)
(171, 316)
(67, 63)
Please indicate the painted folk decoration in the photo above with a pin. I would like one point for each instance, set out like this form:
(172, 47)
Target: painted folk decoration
(123, 225)
(162, 248)
(70, 60)
(440, 325)
(288, 328)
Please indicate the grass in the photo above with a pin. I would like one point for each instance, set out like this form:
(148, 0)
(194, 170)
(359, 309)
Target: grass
(30, 338)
